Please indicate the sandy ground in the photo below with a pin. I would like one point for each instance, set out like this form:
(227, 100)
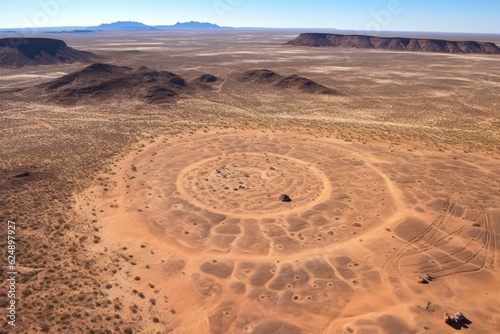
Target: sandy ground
(200, 218)
(167, 219)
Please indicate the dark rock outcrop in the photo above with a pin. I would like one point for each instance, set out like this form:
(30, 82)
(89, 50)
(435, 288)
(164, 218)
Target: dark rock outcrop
(19, 52)
(296, 82)
(259, 76)
(205, 82)
(394, 43)
(24, 174)
(104, 81)
(285, 198)
(207, 78)
(303, 84)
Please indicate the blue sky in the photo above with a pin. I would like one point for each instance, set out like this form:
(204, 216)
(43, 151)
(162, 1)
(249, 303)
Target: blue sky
(480, 16)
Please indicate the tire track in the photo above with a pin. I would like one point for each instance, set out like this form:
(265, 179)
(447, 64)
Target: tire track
(450, 263)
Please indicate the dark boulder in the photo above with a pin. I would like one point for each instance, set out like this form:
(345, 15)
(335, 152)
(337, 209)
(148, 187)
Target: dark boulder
(285, 198)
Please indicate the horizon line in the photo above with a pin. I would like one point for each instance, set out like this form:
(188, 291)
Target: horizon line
(16, 29)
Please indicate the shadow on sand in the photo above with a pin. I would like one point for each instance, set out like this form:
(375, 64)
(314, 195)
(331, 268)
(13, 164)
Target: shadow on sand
(459, 325)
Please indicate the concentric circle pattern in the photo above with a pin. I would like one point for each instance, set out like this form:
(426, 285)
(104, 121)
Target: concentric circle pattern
(250, 184)
(202, 215)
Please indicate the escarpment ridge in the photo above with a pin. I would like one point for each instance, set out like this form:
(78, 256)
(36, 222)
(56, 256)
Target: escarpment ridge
(394, 43)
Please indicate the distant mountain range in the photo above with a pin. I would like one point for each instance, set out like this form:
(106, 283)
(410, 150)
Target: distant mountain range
(136, 26)
(118, 26)
(192, 25)
(122, 25)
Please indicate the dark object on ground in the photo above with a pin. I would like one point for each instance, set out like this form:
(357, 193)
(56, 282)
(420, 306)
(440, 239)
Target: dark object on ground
(422, 280)
(285, 198)
(458, 322)
(19, 52)
(25, 174)
(459, 317)
(394, 43)
(429, 277)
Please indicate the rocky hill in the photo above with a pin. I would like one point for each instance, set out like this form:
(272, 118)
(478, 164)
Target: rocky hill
(19, 52)
(394, 43)
(296, 82)
(103, 81)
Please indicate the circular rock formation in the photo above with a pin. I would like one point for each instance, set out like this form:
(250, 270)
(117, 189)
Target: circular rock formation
(249, 183)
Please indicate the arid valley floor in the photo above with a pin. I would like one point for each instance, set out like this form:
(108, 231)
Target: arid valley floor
(166, 218)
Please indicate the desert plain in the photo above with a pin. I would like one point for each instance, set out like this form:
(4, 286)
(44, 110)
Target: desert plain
(166, 218)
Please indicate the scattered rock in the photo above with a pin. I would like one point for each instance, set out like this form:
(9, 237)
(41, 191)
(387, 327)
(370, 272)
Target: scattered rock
(422, 280)
(285, 198)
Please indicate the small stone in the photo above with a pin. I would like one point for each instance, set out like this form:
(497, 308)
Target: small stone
(285, 198)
